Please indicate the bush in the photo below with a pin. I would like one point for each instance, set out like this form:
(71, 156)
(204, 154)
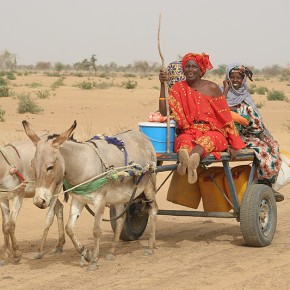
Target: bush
(276, 96)
(261, 90)
(86, 85)
(252, 89)
(26, 105)
(4, 91)
(58, 83)
(43, 94)
(2, 115)
(129, 84)
(260, 105)
(3, 82)
(11, 76)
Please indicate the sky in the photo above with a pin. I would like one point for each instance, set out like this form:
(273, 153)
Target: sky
(253, 32)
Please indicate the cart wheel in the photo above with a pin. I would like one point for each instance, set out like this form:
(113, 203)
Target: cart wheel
(258, 215)
(135, 223)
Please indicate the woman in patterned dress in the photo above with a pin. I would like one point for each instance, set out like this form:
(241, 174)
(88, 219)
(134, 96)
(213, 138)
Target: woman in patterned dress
(254, 134)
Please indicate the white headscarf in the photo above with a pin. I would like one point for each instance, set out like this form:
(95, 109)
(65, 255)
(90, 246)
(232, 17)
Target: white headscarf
(235, 97)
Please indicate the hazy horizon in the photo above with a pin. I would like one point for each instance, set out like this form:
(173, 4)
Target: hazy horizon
(256, 33)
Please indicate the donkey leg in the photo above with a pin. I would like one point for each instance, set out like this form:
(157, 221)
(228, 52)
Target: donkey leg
(150, 191)
(58, 211)
(99, 207)
(75, 211)
(119, 226)
(16, 205)
(4, 204)
(48, 222)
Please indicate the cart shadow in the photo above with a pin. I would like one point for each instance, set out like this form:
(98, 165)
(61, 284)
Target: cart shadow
(172, 233)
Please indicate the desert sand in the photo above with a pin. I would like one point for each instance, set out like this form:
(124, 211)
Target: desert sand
(191, 253)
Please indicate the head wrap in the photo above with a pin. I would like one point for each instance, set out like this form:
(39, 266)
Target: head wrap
(202, 61)
(175, 73)
(235, 97)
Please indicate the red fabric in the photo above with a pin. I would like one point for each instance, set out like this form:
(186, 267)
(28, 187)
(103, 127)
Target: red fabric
(201, 59)
(202, 120)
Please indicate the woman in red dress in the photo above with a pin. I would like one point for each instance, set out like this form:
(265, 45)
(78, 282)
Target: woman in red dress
(202, 115)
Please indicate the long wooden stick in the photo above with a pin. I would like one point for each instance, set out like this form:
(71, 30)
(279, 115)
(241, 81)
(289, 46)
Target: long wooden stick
(166, 90)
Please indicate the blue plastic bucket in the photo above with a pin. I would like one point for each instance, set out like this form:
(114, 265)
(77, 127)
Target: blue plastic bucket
(157, 133)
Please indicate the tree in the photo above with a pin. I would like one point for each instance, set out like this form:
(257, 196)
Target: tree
(7, 60)
(42, 65)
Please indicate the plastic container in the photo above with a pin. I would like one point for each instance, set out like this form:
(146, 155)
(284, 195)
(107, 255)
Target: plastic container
(183, 193)
(212, 198)
(157, 133)
(240, 175)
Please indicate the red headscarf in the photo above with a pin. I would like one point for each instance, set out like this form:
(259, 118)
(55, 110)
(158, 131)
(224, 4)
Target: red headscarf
(201, 59)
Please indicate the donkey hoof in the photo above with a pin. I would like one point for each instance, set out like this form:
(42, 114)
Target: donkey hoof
(93, 266)
(3, 262)
(16, 260)
(58, 250)
(39, 255)
(148, 252)
(110, 257)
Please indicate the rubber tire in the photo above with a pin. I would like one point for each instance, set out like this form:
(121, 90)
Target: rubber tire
(135, 223)
(258, 202)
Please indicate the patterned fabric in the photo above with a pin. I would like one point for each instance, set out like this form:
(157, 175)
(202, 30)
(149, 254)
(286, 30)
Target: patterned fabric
(175, 73)
(201, 59)
(265, 147)
(202, 120)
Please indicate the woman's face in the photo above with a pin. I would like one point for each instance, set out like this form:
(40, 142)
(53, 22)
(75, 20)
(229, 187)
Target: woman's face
(236, 79)
(192, 71)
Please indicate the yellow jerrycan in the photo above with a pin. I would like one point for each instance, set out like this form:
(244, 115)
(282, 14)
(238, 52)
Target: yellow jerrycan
(240, 176)
(212, 198)
(183, 193)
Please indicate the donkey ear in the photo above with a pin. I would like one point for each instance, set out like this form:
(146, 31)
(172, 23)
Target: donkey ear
(58, 141)
(30, 133)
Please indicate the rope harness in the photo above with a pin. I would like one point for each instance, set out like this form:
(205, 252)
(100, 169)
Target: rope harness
(110, 174)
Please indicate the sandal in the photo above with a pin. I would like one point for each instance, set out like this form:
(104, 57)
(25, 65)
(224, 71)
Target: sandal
(278, 196)
(183, 158)
(192, 166)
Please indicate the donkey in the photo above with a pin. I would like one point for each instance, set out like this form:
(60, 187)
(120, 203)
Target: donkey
(16, 183)
(61, 158)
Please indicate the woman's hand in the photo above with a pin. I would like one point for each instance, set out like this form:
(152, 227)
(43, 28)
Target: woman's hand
(163, 76)
(232, 152)
(227, 85)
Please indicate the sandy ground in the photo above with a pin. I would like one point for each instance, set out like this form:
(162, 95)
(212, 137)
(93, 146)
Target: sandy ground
(191, 253)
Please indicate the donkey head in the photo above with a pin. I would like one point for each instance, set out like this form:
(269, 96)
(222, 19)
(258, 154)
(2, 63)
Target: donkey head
(48, 164)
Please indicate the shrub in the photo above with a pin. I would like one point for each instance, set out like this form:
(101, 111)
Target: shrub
(129, 75)
(26, 105)
(86, 85)
(252, 89)
(261, 90)
(103, 85)
(260, 105)
(276, 96)
(3, 82)
(2, 115)
(11, 76)
(104, 75)
(43, 94)
(4, 91)
(129, 84)
(58, 83)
